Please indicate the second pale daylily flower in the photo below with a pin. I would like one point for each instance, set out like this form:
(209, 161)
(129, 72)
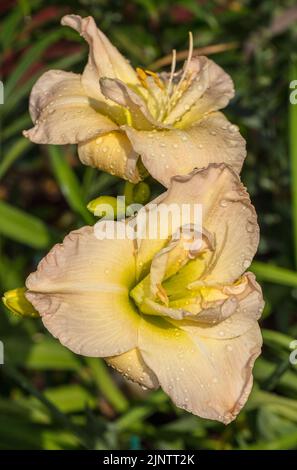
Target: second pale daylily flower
(161, 311)
(116, 114)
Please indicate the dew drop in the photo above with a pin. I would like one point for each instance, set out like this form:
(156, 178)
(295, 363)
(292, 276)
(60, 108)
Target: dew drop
(233, 128)
(250, 227)
(246, 263)
(223, 203)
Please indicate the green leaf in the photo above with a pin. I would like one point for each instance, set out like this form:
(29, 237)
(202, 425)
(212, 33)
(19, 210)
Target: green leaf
(22, 227)
(69, 183)
(9, 27)
(29, 57)
(275, 338)
(46, 354)
(25, 89)
(103, 380)
(15, 151)
(283, 443)
(271, 273)
(293, 156)
(70, 398)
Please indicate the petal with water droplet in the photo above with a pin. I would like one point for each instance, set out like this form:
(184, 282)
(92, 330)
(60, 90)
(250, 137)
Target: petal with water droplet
(226, 376)
(64, 114)
(189, 148)
(134, 368)
(87, 309)
(209, 89)
(112, 153)
(104, 59)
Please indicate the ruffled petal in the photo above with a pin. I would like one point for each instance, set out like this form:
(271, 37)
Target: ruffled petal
(117, 91)
(210, 88)
(104, 59)
(112, 153)
(133, 367)
(227, 214)
(209, 377)
(166, 153)
(81, 290)
(62, 112)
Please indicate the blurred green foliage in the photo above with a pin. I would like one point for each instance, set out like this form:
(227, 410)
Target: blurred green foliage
(53, 399)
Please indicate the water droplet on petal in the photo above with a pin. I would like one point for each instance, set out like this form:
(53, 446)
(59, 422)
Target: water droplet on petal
(246, 263)
(250, 227)
(223, 203)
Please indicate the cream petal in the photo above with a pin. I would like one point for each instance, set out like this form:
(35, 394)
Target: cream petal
(227, 214)
(235, 320)
(183, 246)
(173, 257)
(117, 91)
(218, 305)
(133, 367)
(81, 290)
(104, 59)
(208, 301)
(112, 153)
(210, 89)
(209, 377)
(62, 112)
(153, 233)
(166, 153)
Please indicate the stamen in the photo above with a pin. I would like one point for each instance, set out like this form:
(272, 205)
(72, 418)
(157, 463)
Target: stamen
(172, 98)
(156, 79)
(187, 63)
(173, 65)
(142, 77)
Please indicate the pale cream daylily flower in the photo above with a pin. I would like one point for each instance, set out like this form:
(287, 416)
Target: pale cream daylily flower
(116, 114)
(160, 312)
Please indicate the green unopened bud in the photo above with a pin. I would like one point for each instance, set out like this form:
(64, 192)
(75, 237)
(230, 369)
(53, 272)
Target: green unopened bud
(142, 193)
(18, 304)
(137, 193)
(107, 206)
